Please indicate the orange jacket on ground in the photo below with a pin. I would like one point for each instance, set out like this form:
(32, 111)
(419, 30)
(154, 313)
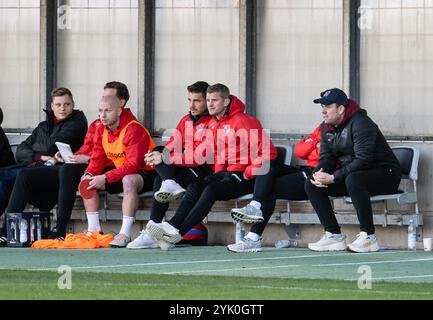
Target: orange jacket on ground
(76, 241)
(137, 142)
(309, 148)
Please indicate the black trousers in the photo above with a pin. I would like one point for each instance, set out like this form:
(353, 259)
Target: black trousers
(44, 187)
(201, 196)
(359, 186)
(182, 175)
(288, 186)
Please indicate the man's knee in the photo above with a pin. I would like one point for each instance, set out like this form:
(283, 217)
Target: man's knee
(132, 183)
(353, 181)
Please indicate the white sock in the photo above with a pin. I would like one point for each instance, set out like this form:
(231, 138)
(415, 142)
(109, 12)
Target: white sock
(256, 204)
(93, 221)
(127, 225)
(252, 236)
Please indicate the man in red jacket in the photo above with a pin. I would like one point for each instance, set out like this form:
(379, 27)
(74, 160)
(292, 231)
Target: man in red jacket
(241, 150)
(172, 179)
(123, 141)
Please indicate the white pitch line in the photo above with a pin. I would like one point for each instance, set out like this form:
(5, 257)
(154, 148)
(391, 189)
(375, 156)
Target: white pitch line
(212, 261)
(369, 262)
(233, 269)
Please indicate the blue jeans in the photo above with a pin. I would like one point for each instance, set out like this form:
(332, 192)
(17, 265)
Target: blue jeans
(7, 180)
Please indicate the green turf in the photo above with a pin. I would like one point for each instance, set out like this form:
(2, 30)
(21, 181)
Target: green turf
(20, 284)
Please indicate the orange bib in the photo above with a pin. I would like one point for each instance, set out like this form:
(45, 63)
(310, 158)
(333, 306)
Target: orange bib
(116, 151)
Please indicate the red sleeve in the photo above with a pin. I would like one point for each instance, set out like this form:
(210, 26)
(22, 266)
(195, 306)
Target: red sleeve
(304, 148)
(98, 160)
(266, 150)
(87, 147)
(137, 143)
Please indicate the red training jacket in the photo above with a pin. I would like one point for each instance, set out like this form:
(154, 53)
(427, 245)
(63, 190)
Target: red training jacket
(247, 155)
(310, 150)
(137, 143)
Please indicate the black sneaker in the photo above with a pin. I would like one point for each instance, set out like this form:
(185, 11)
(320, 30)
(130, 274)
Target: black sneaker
(55, 235)
(3, 241)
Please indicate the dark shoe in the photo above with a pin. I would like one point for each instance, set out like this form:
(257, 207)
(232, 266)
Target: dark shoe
(3, 241)
(55, 235)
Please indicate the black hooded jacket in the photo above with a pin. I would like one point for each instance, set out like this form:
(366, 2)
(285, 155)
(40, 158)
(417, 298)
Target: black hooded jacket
(357, 144)
(6, 155)
(71, 130)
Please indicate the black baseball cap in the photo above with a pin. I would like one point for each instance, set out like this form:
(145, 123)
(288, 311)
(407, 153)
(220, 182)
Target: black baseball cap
(331, 96)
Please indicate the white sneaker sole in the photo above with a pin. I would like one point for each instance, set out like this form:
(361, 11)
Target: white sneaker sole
(159, 234)
(114, 245)
(164, 245)
(334, 247)
(245, 250)
(375, 248)
(242, 217)
(153, 246)
(164, 196)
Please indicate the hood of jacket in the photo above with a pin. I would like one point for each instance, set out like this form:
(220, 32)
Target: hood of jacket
(351, 109)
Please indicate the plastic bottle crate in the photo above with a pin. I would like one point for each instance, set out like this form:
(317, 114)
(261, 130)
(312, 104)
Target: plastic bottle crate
(27, 227)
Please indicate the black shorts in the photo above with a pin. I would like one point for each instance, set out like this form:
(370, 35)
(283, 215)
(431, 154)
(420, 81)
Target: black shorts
(148, 177)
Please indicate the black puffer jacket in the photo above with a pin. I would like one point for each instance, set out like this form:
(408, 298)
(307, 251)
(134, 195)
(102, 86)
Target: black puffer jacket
(71, 130)
(6, 155)
(357, 144)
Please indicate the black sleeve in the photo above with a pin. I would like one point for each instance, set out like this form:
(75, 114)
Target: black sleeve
(25, 152)
(71, 132)
(327, 161)
(364, 133)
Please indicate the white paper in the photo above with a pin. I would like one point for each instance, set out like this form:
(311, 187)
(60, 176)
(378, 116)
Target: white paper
(65, 151)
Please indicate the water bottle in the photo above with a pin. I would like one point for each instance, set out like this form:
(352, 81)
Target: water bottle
(240, 231)
(13, 230)
(411, 236)
(32, 230)
(286, 243)
(49, 163)
(23, 230)
(38, 229)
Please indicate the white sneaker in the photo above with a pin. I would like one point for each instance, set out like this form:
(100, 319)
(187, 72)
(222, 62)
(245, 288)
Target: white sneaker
(164, 245)
(169, 191)
(364, 243)
(246, 245)
(329, 242)
(247, 214)
(163, 231)
(143, 241)
(120, 241)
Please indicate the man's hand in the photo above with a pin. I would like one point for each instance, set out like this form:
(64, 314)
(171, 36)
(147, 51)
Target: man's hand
(58, 157)
(322, 179)
(79, 158)
(46, 158)
(97, 182)
(153, 158)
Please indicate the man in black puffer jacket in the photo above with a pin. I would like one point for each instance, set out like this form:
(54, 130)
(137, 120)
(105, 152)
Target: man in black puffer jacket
(63, 124)
(6, 154)
(355, 160)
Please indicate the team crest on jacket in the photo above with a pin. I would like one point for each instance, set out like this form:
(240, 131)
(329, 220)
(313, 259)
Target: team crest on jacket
(200, 128)
(226, 129)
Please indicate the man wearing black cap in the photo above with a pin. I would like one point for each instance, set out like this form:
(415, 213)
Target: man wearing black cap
(355, 160)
